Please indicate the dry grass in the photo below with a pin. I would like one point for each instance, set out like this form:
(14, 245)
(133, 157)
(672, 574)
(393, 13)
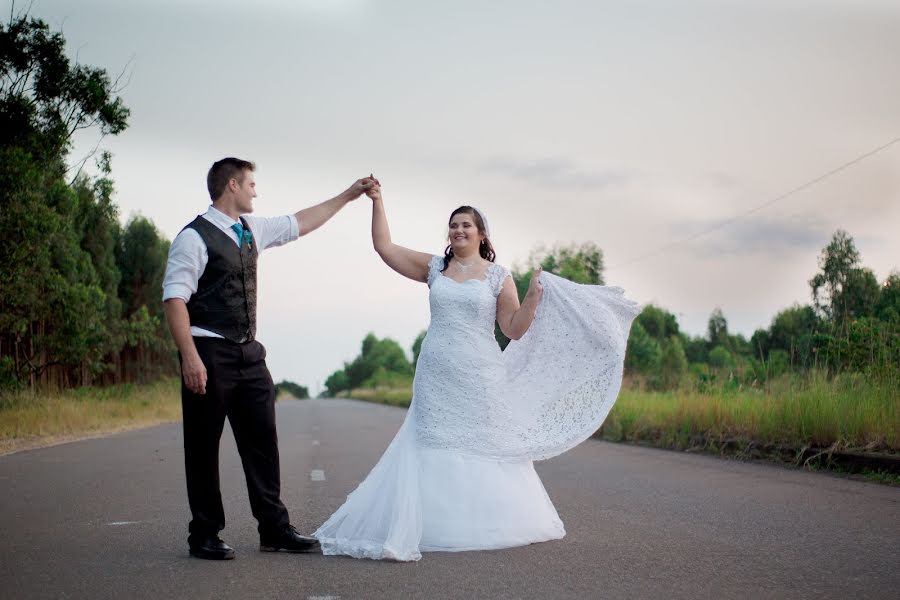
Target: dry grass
(29, 420)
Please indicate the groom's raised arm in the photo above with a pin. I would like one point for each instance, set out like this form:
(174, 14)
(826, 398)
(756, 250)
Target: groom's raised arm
(310, 219)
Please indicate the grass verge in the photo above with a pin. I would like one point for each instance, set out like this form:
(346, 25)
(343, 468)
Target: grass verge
(845, 413)
(801, 422)
(382, 395)
(29, 420)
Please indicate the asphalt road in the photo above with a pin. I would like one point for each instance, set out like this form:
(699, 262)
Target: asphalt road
(107, 518)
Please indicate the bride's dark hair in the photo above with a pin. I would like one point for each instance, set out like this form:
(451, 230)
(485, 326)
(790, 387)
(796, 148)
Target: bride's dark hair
(485, 249)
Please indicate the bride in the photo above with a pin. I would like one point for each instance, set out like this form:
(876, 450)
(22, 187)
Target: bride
(459, 474)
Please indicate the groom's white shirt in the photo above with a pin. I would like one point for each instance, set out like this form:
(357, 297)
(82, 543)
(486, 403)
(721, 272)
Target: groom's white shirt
(188, 255)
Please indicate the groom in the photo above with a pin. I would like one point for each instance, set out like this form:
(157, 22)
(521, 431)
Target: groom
(209, 294)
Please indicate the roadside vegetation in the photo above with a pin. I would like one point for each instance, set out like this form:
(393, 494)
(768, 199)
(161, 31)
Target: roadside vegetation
(821, 382)
(80, 303)
(29, 419)
(83, 345)
(788, 415)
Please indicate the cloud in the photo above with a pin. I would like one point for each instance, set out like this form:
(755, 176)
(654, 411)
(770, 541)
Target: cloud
(554, 172)
(757, 236)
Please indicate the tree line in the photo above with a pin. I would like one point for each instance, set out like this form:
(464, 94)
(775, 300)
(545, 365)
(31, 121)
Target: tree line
(292, 389)
(80, 301)
(852, 324)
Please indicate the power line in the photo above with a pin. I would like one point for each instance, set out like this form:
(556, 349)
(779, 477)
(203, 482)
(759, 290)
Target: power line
(758, 208)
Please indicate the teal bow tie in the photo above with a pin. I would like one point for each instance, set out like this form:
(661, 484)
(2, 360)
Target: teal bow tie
(242, 234)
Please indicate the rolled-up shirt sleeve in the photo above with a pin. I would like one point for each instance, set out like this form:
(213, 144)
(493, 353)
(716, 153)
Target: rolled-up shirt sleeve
(273, 231)
(186, 263)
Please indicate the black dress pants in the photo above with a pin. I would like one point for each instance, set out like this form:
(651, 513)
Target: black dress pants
(239, 387)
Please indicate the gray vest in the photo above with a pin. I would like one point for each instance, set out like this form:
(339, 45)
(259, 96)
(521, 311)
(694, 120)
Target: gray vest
(225, 300)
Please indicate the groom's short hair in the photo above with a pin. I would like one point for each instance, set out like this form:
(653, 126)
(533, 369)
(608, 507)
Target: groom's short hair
(224, 171)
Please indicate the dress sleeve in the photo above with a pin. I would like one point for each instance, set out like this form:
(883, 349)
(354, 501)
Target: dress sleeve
(434, 268)
(497, 274)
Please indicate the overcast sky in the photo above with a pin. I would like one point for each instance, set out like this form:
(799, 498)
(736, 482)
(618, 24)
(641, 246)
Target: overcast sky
(634, 125)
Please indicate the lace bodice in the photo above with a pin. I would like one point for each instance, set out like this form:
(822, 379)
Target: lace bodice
(469, 305)
(537, 399)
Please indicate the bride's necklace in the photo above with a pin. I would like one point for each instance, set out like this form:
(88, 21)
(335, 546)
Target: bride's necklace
(463, 267)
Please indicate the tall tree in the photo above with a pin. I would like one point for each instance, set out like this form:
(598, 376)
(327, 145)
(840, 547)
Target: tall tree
(643, 354)
(659, 323)
(717, 329)
(376, 353)
(793, 332)
(141, 256)
(839, 288)
(888, 307)
(56, 282)
(581, 263)
(45, 99)
(861, 294)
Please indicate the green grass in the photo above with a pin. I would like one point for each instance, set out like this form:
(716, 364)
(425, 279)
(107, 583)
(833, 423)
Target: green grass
(790, 413)
(399, 396)
(881, 477)
(847, 412)
(34, 419)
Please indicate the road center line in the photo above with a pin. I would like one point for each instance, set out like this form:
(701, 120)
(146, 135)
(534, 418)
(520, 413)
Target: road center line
(317, 475)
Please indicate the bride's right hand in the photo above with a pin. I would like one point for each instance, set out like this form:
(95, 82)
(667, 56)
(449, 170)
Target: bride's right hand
(374, 192)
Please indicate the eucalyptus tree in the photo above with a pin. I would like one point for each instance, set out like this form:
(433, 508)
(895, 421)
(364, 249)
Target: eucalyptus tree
(56, 267)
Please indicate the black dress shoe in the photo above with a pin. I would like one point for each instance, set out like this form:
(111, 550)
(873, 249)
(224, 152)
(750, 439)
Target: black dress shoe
(211, 548)
(289, 540)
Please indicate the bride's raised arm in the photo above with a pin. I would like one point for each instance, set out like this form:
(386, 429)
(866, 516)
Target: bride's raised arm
(408, 263)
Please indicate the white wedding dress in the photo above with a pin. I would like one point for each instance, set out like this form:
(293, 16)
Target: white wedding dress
(459, 474)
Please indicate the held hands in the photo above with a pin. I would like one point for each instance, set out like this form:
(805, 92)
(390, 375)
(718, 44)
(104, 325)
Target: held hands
(374, 192)
(360, 187)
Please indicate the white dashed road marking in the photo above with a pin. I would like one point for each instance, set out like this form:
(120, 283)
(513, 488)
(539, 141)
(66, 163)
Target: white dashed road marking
(317, 475)
(315, 442)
